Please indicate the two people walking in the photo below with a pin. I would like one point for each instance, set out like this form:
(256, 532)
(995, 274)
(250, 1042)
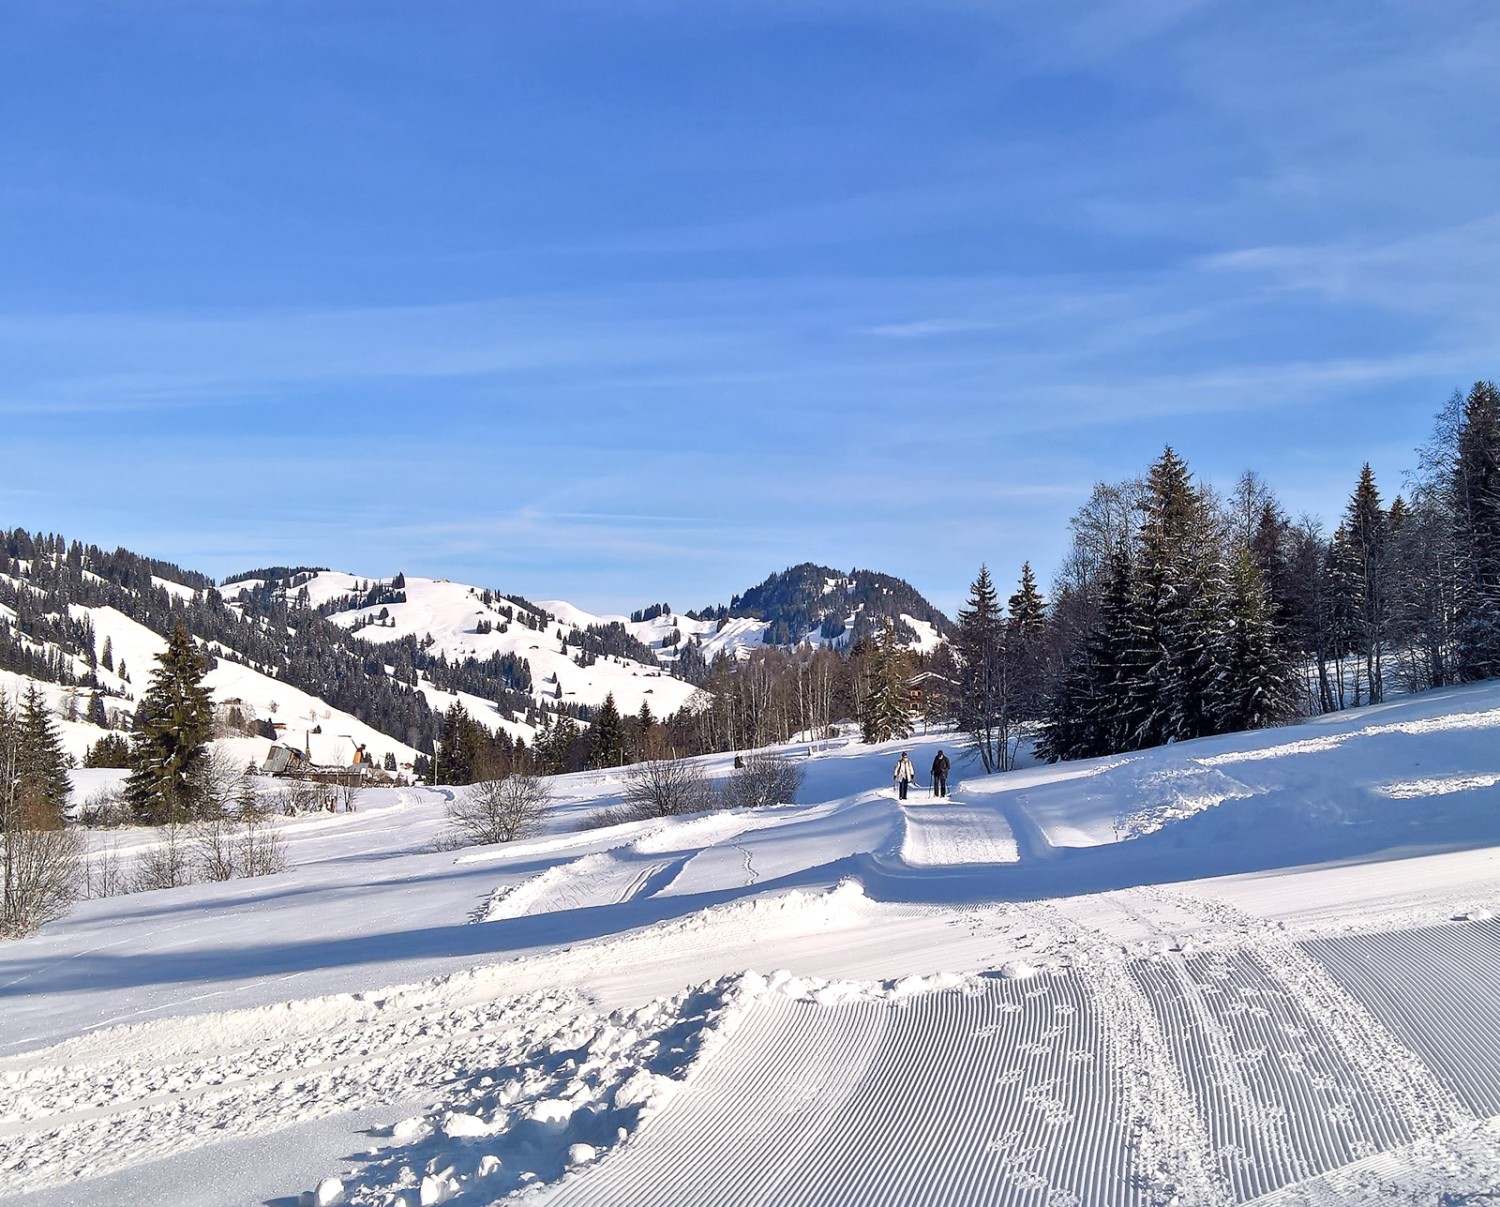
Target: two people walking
(906, 775)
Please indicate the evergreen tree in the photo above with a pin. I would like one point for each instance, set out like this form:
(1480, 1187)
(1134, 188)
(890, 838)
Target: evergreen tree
(112, 750)
(41, 765)
(981, 678)
(607, 737)
(1086, 712)
(884, 712)
(96, 711)
(107, 659)
(1360, 561)
(1476, 518)
(458, 751)
(1255, 688)
(174, 726)
(1027, 611)
(1169, 664)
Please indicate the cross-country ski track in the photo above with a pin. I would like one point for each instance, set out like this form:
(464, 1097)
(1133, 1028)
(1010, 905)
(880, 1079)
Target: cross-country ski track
(1257, 969)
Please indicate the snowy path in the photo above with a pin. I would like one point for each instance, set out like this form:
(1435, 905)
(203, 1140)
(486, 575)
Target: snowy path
(1006, 1087)
(941, 835)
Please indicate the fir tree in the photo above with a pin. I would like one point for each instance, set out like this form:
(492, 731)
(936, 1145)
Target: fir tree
(1026, 610)
(1476, 518)
(175, 721)
(458, 749)
(41, 764)
(1361, 563)
(607, 737)
(1254, 689)
(1167, 665)
(884, 712)
(981, 678)
(1086, 713)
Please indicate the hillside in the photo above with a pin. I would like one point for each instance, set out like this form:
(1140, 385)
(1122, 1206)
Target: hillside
(817, 603)
(1239, 969)
(533, 657)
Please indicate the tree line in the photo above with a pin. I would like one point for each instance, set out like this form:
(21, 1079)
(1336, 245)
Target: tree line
(1181, 613)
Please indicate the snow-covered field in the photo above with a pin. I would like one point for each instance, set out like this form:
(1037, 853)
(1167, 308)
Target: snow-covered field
(1258, 968)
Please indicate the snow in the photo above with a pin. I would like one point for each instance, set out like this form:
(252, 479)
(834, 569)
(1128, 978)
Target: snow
(1253, 968)
(266, 698)
(450, 613)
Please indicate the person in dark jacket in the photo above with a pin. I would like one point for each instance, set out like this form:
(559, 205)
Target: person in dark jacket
(940, 775)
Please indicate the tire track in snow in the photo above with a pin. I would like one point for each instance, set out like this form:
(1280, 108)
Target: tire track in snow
(592, 880)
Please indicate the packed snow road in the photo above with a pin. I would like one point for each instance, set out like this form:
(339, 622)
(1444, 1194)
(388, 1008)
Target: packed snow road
(1252, 969)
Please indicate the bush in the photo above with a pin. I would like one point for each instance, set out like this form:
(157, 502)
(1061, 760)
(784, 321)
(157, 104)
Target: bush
(667, 787)
(763, 779)
(104, 873)
(500, 810)
(105, 809)
(213, 847)
(259, 849)
(169, 864)
(41, 878)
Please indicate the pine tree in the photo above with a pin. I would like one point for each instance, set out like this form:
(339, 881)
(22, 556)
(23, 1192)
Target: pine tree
(175, 721)
(96, 711)
(607, 737)
(107, 659)
(884, 712)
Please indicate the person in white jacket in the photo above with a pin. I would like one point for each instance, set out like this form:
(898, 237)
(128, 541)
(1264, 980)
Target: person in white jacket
(905, 774)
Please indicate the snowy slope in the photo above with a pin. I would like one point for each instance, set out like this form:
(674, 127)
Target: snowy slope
(1259, 968)
(451, 613)
(267, 697)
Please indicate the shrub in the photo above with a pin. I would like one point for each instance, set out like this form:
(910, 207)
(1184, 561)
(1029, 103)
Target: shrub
(666, 787)
(41, 878)
(763, 779)
(500, 810)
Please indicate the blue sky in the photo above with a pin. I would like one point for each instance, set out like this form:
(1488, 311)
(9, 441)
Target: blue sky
(631, 301)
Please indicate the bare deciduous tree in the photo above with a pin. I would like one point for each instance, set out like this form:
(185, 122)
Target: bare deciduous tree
(213, 841)
(168, 864)
(104, 873)
(666, 787)
(501, 810)
(259, 849)
(766, 778)
(41, 878)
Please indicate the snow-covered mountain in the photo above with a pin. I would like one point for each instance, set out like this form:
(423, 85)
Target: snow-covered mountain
(572, 657)
(335, 660)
